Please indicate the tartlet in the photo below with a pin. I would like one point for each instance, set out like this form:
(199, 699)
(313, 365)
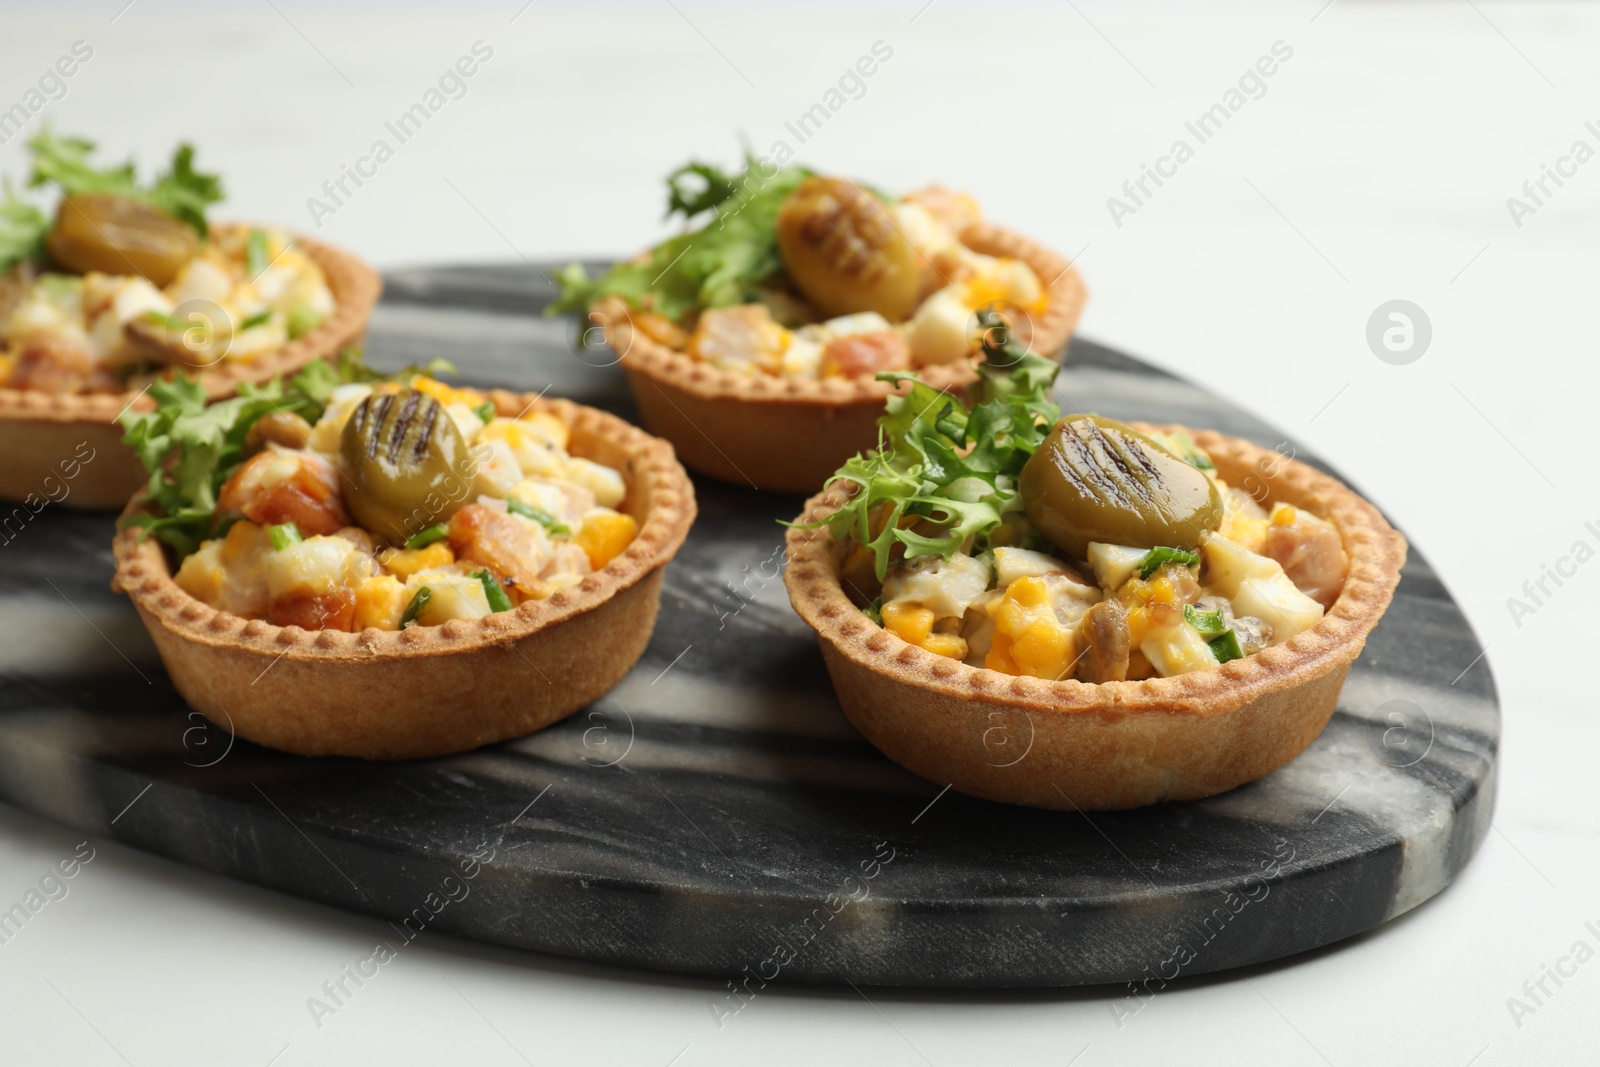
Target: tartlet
(428, 690)
(755, 343)
(40, 430)
(1070, 744)
(788, 434)
(126, 283)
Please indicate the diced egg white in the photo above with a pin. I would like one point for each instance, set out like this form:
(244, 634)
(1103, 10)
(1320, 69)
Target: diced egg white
(36, 312)
(1113, 565)
(1176, 648)
(497, 467)
(341, 402)
(466, 421)
(946, 586)
(926, 232)
(606, 484)
(803, 357)
(258, 339)
(939, 331)
(201, 279)
(1013, 563)
(1070, 599)
(274, 282)
(861, 322)
(1258, 586)
(450, 596)
(317, 565)
(532, 449)
(543, 495)
(136, 297)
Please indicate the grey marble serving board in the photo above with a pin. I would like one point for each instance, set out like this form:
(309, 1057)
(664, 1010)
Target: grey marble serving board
(716, 813)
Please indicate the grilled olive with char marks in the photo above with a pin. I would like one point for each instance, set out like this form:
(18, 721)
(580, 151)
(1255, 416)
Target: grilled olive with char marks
(843, 252)
(120, 235)
(407, 464)
(1094, 479)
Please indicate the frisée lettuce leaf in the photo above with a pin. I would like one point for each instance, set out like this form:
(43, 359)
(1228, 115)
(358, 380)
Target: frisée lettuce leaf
(191, 449)
(181, 192)
(722, 262)
(938, 460)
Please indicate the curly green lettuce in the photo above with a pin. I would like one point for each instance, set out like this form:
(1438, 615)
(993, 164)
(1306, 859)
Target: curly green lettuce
(22, 229)
(724, 261)
(939, 460)
(191, 450)
(181, 191)
(64, 163)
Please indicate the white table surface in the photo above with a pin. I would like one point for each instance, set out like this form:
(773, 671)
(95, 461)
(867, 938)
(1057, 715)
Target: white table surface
(1376, 166)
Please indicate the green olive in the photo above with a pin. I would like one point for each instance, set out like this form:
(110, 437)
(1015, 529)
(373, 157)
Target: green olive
(406, 462)
(120, 235)
(843, 252)
(1094, 479)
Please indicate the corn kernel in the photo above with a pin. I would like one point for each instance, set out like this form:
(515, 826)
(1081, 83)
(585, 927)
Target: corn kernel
(380, 602)
(1028, 638)
(244, 540)
(1244, 530)
(1138, 626)
(604, 535)
(950, 645)
(547, 426)
(1284, 515)
(404, 562)
(1030, 592)
(912, 622)
(200, 575)
(442, 392)
(1043, 650)
(999, 655)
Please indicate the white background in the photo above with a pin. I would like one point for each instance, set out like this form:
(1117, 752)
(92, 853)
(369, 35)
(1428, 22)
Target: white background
(1376, 166)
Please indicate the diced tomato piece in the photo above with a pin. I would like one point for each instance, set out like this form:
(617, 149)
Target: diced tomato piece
(315, 611)
(863, 354)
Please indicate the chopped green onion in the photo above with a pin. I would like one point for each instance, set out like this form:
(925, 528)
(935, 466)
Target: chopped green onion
(556, 527)
(414, 608)
(1226, 647)
(1160, 556)
(284, 535)
(258, 319)
(436, 532)
(160, 318)
(303, 318)
(485, 411)
(874, 611)
(1209, 623)
(494, 591)
(255, 253)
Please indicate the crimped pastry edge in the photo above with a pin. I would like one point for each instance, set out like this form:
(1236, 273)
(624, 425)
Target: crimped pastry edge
(1376, 553)
(143, 573)
(355, 287)
(642, 355)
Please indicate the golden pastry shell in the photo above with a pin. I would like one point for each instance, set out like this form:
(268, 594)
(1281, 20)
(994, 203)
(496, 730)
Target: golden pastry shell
(790, 434)
(1069, 744)
(428, 691)
(39, 430)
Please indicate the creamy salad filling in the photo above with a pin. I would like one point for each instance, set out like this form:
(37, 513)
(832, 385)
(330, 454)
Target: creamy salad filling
(128, 279)
(804, 276)
(1013, 539)
(1124, 612)
(405, 503)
